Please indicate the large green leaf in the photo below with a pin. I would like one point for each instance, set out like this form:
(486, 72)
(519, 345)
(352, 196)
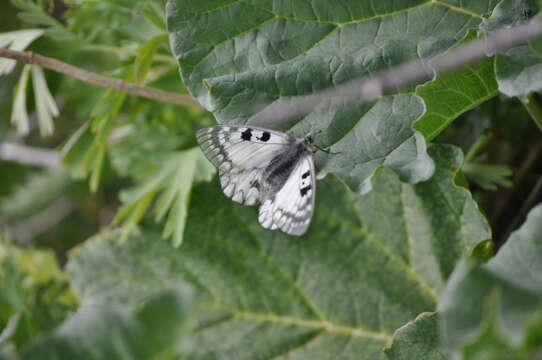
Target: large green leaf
(489, 343)
(154, 331)
(366, 267)
(454, 92)
(513, 277)
(238, 56)
(417, 340)
(518, 70)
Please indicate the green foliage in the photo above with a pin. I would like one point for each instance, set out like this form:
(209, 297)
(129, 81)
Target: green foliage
(38, 192)
(174, 179)
(34, 294)
(484, 251)
(46, 108)
(417, 340)
(492, 304)
(35, 14)
(488, 176)
(233, 85)
(290, 292)
(16, 40)
(485, 175)
(452, 93)
(406, 271)
(517, 69)
(84, 154)
(19, 115)
(128, 23)
(145, 57)
(489, 335)
(153, 331)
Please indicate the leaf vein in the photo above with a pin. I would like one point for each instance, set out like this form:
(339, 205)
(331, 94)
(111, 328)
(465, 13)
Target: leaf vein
(316, 324)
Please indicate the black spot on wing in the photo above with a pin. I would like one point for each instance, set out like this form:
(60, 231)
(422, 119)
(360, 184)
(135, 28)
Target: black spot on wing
(265, 136)
(305, 175)
(247, 134)
(305, 190)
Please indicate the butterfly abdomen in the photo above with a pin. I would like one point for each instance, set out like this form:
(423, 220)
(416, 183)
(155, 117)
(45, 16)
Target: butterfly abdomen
(282, 165)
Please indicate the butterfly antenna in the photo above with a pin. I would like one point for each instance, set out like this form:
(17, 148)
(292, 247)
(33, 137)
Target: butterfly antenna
(327, 151)
(310, 135)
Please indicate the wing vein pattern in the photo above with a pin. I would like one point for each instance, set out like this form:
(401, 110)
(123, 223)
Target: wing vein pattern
(267, 167)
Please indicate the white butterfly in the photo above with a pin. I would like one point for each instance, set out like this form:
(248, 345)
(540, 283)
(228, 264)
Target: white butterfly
(268, 167)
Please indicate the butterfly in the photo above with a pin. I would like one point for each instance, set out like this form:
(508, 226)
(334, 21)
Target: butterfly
(266, 167)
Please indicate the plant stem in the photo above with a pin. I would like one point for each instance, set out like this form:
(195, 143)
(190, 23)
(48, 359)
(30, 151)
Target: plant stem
(27, 155)
(534, 108)
(520, 176)
(476, 147)
(29, 57)
(384, 82)
(527, 205)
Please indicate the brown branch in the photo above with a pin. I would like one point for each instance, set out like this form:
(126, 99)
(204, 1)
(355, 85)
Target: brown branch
(504, 201)
(28, 229)
(412, 72)
(29, 57)
(527, 205)
(27, 155)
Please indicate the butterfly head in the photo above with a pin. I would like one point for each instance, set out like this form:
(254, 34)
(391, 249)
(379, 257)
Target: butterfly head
(312, 147)
(309, 143)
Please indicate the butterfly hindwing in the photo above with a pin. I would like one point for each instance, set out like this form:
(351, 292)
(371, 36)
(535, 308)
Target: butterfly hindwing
(291, 208)
(241, 154)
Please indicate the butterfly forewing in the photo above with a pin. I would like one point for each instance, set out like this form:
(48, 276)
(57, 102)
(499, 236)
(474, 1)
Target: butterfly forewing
(241, 154)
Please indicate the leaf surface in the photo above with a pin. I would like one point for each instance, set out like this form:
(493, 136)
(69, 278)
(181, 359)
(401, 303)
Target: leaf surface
(452, 93)
(94, 332)
(340, 290)
(275, 52)
(519, 69)
(417, 340)
(512, 276)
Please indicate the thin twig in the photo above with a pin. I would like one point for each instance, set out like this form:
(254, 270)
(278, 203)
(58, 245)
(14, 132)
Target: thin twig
(525, 207)
(26, 230)
(412, 72)
(520, 175)
(29, 155)
(30, 57)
